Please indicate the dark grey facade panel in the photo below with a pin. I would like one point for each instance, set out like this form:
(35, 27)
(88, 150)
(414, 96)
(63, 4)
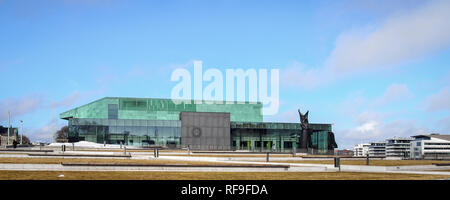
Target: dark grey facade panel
(113, 112)
(205, 130)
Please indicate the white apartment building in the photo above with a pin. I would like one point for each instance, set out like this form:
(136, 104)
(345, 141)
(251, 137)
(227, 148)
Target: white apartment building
(398, 147)
(377, 149)
(361, 149)
(433, 146)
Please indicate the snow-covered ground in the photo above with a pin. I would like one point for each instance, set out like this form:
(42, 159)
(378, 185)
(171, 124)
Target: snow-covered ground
(90, 145)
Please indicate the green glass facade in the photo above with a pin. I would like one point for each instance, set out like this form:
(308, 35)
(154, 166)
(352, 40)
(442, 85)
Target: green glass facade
(128, 132)
(148, 122)
(163, 109)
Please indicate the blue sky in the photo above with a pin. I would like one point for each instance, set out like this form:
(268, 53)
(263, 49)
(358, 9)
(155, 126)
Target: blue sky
(375, 69)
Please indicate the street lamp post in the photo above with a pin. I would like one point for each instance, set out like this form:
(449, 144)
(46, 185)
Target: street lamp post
(9, 125)
(21, 131)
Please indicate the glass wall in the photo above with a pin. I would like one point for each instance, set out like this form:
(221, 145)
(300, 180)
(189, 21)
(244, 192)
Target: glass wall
(161, 109)
(252, 136)
(130, 132)
(280, 140)
(278, 137)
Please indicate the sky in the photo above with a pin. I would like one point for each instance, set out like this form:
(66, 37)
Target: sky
(375, 69)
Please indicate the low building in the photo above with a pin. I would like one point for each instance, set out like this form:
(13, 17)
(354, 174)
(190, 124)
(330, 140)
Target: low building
(208, 125)
(344, 152)
(361, 149)
(13, 133)
(377, 149)
(398, 147)
(433, 146)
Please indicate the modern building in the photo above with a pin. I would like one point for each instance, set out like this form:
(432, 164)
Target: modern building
(398, 147)
(377, 149)
(208, 125)
(433, 146)
(361, 149)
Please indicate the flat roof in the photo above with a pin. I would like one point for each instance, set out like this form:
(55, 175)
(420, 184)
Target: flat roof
(438, 136)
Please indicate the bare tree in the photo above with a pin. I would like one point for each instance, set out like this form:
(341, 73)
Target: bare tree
(25, 140)
(62, 134)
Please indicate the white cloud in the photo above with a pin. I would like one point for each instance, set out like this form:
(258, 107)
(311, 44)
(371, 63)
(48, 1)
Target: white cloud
(394, 93)
(45, 133)
(19, 106)
(405, 36)
(68, 101)
(368, 127)
(400, 38)
(298, 75)
(356, 102)
(372, 127)
(439, 101)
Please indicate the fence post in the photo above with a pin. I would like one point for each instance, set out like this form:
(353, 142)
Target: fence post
(156, 152)
(337, 162)
(267, 157)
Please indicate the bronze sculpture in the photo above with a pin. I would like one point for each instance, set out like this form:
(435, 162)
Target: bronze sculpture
(305, 142)
(305, 139)
(331, 141)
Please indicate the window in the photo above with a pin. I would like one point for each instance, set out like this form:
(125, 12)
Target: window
(244, 144)
(419, 144)
(258, 144)
(287, 145)
(113, 111)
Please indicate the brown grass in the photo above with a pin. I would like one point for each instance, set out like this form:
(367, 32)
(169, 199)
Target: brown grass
(229, 155)
(15, 153)
(371, 162)
(72, 175)
(128, 150)
(91, 160)
(262, 155)
(442, 170)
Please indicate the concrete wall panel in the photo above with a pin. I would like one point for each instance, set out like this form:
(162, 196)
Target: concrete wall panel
(205, 130)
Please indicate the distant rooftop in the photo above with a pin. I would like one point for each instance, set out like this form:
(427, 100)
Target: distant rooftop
(435, 135)
(400, 138)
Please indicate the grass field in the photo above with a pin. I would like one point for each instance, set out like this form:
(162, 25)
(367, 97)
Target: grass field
(371, 162)
(71, 175)
(229, 155)
(15, 153)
